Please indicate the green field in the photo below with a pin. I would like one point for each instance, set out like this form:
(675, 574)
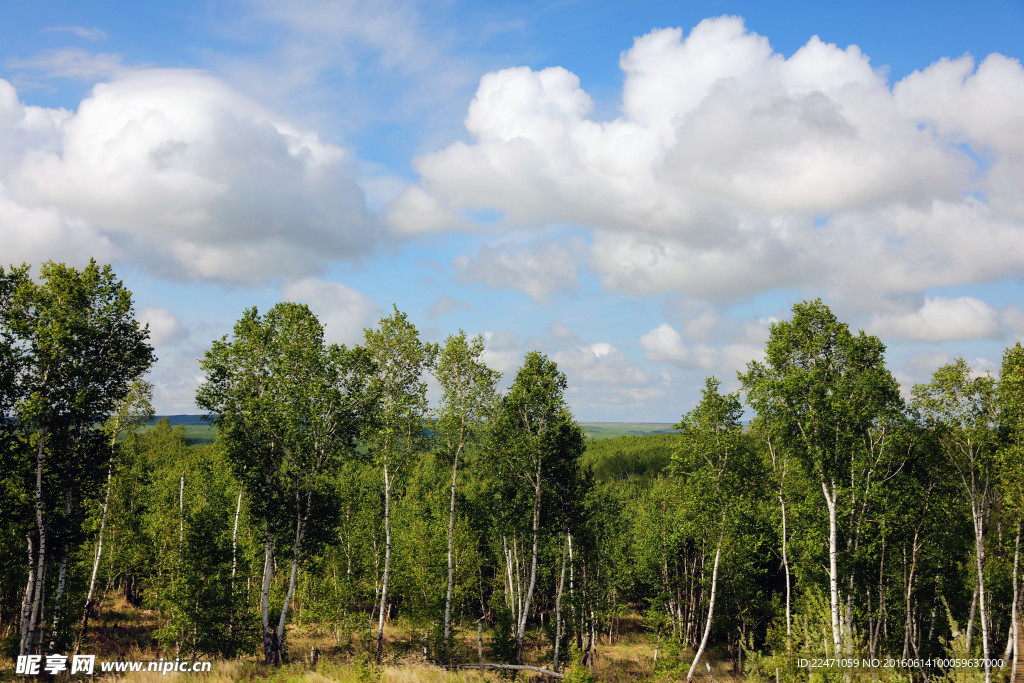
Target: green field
(610, 430)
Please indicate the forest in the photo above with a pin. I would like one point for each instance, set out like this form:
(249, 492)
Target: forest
(819, 523)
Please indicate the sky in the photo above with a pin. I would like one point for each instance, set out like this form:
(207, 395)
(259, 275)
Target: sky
(636, 189)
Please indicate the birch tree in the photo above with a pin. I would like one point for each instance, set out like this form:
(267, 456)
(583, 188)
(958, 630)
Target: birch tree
(399, 393)
(534, 434)
(134, 410)
(830, 391)
(710, 440)
(78, 349)
(468, 396)
(289, 409)
(962, 410)
(1011, 410)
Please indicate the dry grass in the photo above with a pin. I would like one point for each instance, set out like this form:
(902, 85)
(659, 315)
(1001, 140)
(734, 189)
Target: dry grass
(122, 632)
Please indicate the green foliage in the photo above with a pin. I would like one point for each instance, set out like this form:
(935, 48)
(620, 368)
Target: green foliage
(645, 514)
(627, 458)
(577, 673)
(71, 349)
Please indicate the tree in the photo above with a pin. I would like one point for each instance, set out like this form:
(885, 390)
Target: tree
(963, 412)
(77, 348)
(289, 409)
(831, 394)
(1011, 410)
(535, 436)
(135, 409)
(467, 401)
(711, 437)
(399, 393)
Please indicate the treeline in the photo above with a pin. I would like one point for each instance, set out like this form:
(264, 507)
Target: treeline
(844, 521)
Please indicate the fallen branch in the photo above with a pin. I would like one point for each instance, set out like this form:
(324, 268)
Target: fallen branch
(513, 667)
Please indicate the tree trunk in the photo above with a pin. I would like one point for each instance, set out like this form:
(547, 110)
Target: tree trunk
(785, 565)
(521, 632)
(451, 565)
(300, 531)
(1014, 613)
(28, 637)
(181, 510)
(62, 573)
(26, 600)
(270, 645)
(558, 605)
(87, 610)
(979, 544)
(711, 612)
(833, 568)
(387, 566)
(234, 538)
(970, 619)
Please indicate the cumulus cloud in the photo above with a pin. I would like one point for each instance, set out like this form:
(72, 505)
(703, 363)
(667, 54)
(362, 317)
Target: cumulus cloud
(941, 319)
(602, 380)
(666, 344)
(733, 169)
(344, 312)
(186, 175)
(540, 269)
(164, 326)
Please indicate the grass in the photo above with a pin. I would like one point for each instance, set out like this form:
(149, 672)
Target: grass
(610, 430)
(122, 632)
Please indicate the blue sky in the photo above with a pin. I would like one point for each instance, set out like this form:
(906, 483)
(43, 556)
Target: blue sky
(637, 189)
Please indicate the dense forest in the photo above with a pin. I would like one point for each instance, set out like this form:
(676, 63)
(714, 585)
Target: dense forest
(836, 518)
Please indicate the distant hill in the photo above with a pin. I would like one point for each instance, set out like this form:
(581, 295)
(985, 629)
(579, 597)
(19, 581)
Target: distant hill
(593, 430)
(176, 420)
(609, 430)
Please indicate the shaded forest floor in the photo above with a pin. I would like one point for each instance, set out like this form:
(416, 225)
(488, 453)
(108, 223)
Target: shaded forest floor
(123, 633)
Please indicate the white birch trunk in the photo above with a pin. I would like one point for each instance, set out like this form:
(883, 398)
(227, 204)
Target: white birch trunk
(979, 544)
(833, 568)
(1014, 614)
(451, 565)
(711, 612)
(28, 637)
(521, 633)
(269, 644)
(387, 565)
(26, 600)
(558, 606)
(785, 565)
(234, 539)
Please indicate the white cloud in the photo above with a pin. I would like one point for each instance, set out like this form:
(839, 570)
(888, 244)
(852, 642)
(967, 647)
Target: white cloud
(733, 169)
(414, 212)
(602, 380)
(343, 311)
(941, 319)
(540, 269)
(188, 176)
(72, 63)
(665, 344)
(445, 305)
(352, 65)
(164, 326)
(84, 32)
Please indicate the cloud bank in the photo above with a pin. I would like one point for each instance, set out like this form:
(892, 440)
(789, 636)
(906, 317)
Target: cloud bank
(733, 169)
(177, 171)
